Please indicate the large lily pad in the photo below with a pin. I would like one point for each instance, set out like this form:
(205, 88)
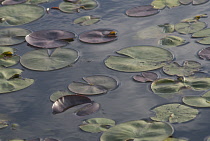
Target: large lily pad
(138, 130)
(197, 83)
(88, 109)
(141, 11)
(41, 60)
(189, 27)
(194, 2)
(160, 4)
(7, 57)
(188, 68)
(10, 80)
(72, 7)
(172, 41)
(203, 33)
(95, 125)
(86, 20)
(174, 113)
(139, 58)
(98, 36)
(50, 38)
(12, 36)
(204, 53)
(19, 15)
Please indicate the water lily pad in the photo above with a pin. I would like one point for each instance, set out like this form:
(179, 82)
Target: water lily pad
(174, 139)
(95, 125)
(172, 41)
(197, 83)
(188, 68)
(88, 109)
(174, 113)
(160, 4)
(139, 58)
(204, 53)
(188, 28)
(38, 1)
(86, 20)
(12, 36)
(7, 57)
(194, 2)
(66, 102)
(167, 28)
(202, 33)
(73, 7)
(138, 130)
(12, 2)
(41, 60)
(19, 15)
(50, 38)
(146, 77)
(10, 80)
(3, 124)
(56, 95)
(194, 19)
(98, 36)
(142, 11)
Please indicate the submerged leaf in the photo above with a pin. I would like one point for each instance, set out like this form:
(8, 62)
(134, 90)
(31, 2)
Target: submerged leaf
(7, 57)
(141, 11)
(174, 113)
(86, 20)
(146, 77)
(172, 41)
(88, 109)
(160, 4)
(167, 28)
(190, 27)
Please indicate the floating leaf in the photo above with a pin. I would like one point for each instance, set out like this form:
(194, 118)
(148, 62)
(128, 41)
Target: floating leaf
(190, 27)
(19, 15)
(172, 41)
(194, 2)
(138, 130)
(142, 11)
(188, 68)
(12, 2)
(86, 20)
(194, 19)
(167, 28)
(146, 77)
(98, 36)
(139, 58)
(38, 1)
(88, 109)
(160, 4)
(72, 7)
(56, 95)
(197, 83)
(7, 57)
(202, 33)
(3, 124)
(66, 102)
(10, 80)
(95, 125)
(204, 53)
(41, 60)
(174, 113)
(50, 38)
(174, 139)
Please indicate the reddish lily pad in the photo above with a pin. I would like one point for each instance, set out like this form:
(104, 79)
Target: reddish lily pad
(98, 36)
(50, 38)
(88, 109)
(204, 53)
(142, 11)
(146, 77)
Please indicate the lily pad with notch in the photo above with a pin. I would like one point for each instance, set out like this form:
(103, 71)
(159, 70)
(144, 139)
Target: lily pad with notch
(146, 77)
(172, 41)
(203, 33)
(50, 38)
(174, 113)
(7, 57)
(42, 60)
(141, 11)
(88, 109)
(56, 95)
(194, 2)
(160, 4)
(95, 125)
(98, 36)
(189, 27)
(87, 20)
(139, 58)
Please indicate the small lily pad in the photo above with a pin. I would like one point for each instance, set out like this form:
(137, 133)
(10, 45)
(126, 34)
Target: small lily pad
(41, 60)
(12, 2)
(188, 68)
(174, 113)
(98, 36)
(167, 28)
(189, 27)
(88, 109)
(56, 95)
(204, 53)
(95, 125)
(146, 77)
(19, 15)
(50, 38)
(86, 20)
(194, 2)
(141, 11)
(172, 41)
(7, 57)
(38, 1)
(3, 124)
(138, 130)
(160, 4)
(66, 102)
(202, 33)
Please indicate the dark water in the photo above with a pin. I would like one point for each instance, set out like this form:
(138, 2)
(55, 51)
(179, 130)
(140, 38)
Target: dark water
(31, 107)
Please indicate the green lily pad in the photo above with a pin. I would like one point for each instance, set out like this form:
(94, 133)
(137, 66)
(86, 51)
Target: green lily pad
(12, 2)
(174, 139)
(138, 130)
(12, 36)
(19, 15)
(160, 4)
(174, 113)
(38, 1)
(188, 68)
(95, 125)
(188, 28)
(197, 83)
(3, 124)
(194, 19)
(73, 7)
(194, 2)
(139, 58)
(7, 57)
(205, 41)
(202, 33)
(167, 28)
(86, 20)
(56, 95)
(10, 80)
(172, 41)
(42, 60)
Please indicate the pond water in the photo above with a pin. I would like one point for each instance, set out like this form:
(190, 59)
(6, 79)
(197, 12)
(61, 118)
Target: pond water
(31, 107)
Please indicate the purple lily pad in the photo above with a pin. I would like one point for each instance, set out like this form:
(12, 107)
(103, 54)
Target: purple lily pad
(88, 109)
(98, 36)
(66, 102)
(146, 77)
(50, 38)
(204, 53)
(142, 11)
